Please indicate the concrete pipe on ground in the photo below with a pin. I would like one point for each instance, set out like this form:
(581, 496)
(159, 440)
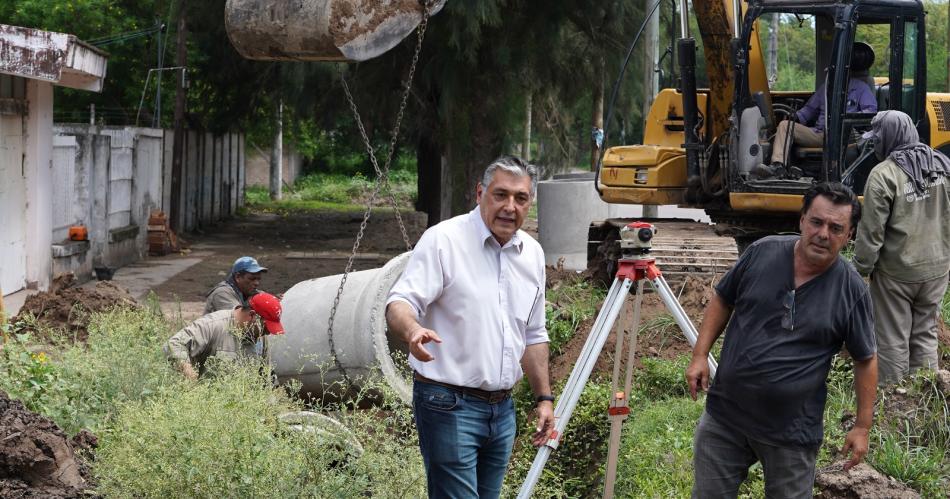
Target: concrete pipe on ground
(359, 338)
(320, 30)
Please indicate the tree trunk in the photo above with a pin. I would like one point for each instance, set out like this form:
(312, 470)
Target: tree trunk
(176, 215)
(277, 153)
(429, 182)
(651, 53)
(526, 138)
(597, 112)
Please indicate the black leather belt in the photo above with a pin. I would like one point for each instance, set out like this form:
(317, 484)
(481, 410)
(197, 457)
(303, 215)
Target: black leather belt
(492, 397)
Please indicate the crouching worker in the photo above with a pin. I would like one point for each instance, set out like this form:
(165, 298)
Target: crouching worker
(225, 334)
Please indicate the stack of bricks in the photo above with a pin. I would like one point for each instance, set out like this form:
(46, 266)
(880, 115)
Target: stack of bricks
(161, 239)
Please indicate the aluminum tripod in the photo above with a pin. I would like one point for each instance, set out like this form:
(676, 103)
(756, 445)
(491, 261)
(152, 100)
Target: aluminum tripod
(632, 268)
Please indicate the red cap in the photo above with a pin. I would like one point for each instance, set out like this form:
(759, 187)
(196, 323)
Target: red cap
(268, 307)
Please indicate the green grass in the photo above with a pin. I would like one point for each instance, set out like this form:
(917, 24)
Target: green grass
(336, 192)
(568, 305)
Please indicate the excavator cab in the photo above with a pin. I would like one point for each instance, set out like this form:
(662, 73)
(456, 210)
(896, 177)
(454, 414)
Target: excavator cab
(867, 51)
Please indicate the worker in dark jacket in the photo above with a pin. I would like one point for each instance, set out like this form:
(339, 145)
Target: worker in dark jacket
(241, 284)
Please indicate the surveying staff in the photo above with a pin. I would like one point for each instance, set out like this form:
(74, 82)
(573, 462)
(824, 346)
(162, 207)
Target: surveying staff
(241, 284)
(903, 242)
(225, 334)
(790, 302)
(471, 306)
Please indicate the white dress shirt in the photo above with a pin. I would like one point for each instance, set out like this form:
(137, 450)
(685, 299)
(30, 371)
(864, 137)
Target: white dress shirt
(485, 301)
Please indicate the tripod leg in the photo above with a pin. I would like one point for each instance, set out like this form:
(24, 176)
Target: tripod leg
(579, 375)
(669, 299)
(619, 403)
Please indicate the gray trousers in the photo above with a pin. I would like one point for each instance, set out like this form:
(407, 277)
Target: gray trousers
(804, 136)
(905, 323)
(722, 457)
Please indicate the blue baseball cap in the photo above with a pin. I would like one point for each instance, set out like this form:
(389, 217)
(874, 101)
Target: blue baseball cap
(247, 264)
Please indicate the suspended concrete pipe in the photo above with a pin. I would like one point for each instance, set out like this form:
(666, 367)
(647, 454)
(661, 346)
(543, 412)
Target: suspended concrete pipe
(359, 336)
(320, 30)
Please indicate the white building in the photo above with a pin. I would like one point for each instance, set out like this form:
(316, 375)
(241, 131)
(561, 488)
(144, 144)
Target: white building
(31, 62)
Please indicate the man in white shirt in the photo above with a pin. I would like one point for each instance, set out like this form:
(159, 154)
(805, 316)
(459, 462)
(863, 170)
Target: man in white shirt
(471, 306)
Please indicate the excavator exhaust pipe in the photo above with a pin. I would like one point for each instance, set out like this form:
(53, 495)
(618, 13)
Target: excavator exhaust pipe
(321, 30)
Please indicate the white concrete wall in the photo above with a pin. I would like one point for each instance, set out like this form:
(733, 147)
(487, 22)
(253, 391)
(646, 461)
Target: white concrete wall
(258, 166)
(38, 153)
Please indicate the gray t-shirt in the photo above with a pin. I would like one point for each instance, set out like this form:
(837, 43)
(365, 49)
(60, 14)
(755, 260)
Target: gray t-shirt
(771, 381)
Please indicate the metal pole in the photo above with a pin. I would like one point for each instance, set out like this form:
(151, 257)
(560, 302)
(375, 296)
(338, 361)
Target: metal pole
(736, 18)
(669, 299)
(575, 383)
(684, 19)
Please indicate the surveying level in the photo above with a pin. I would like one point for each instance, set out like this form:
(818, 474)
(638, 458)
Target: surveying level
(634, 266)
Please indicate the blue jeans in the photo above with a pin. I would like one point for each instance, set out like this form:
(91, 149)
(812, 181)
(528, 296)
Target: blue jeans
(465, 441)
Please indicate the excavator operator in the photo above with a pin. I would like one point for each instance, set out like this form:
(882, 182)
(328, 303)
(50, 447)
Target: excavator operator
(812, 116)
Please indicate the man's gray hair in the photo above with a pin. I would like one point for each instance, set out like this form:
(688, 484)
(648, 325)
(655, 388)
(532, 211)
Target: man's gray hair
(513, 165)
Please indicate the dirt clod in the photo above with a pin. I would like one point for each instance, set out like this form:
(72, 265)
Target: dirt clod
(36, 457)
(67, 307)
(860, 482)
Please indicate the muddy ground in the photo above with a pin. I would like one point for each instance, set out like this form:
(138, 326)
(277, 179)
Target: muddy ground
(38, 460)
(66, 307)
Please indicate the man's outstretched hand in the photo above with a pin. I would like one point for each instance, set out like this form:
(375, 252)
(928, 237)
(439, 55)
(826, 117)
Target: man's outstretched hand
(419, 338)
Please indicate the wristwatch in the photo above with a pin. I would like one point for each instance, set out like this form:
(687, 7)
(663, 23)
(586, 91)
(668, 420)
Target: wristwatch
(543, 398)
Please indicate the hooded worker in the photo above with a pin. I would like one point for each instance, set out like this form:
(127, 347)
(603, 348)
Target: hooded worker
(240, 285)
(903, 243)
(225, 334)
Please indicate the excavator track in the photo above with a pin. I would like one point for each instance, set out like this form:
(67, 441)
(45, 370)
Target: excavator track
(681, 248)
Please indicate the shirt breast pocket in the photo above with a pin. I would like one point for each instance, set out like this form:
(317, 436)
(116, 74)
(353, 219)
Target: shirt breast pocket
(523, 297)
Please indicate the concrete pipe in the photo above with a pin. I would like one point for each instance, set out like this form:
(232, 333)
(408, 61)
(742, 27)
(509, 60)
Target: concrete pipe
(320, 30)
(360, 338)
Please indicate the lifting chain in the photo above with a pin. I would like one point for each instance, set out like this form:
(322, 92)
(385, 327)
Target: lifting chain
(382, 179)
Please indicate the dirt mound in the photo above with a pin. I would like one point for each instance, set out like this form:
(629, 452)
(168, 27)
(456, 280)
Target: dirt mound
(36, 457)
(659, 336)
(860, 482)
(67, 307)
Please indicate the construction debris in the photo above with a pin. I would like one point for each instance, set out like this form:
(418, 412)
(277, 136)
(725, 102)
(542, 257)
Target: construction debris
(162, 240)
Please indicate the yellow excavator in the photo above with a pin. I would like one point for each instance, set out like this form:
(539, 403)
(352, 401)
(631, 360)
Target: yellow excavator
(700, 146)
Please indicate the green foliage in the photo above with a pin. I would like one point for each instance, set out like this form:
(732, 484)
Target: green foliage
(81, 386)
(923, 468)
(662, 379)
(222, 437)
(656, 453)
(567, 306)
(319, 191)
(576, 468)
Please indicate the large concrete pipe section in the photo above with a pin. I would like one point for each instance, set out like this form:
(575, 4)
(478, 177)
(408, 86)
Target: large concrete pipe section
(320, 30)
(568, 204)
(359, 337)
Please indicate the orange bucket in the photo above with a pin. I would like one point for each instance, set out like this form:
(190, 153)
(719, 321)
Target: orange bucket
(78, 233)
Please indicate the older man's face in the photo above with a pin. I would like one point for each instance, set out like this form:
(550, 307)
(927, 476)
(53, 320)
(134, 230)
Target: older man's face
(504, 203)
(248, 282)
(826, 229)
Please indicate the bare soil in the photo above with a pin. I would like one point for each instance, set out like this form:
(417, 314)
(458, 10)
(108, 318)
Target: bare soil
(37, 460)
(67, 307)
(293, 246)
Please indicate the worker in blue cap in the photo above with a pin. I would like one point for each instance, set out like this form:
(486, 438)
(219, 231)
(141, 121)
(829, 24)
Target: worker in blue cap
(238, 288)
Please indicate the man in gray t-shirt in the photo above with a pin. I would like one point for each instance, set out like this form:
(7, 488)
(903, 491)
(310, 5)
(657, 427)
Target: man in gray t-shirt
(791, 303)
